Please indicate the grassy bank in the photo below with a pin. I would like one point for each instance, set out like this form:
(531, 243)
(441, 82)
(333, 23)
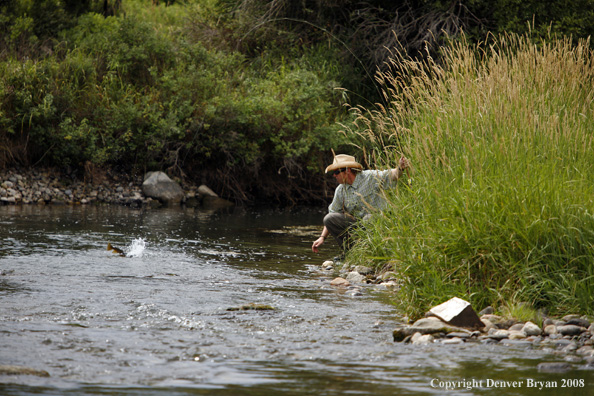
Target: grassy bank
(501, 211)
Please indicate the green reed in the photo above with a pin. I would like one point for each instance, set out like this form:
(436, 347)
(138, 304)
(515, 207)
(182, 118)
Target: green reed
(501, 209)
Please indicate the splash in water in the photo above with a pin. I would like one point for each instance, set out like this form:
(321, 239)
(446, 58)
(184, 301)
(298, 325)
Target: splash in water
(136, 248)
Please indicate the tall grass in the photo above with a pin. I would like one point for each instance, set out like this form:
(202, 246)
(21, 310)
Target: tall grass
(501, 210)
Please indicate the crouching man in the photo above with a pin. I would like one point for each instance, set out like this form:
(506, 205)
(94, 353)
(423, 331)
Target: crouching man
(359, 193)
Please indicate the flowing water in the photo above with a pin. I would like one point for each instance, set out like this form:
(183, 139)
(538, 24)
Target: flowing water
(164, 319)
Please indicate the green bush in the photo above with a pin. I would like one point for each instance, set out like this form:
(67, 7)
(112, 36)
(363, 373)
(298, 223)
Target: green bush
(145, 91)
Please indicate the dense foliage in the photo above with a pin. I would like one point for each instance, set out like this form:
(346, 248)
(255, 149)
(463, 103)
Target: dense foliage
(239, 94)
(151, 90)
(501, 210)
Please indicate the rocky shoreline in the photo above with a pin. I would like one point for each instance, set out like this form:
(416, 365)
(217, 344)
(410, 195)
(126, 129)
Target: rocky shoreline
(52, 187)
(570, 338)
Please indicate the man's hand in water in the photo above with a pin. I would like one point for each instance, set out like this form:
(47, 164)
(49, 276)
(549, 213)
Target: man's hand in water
(318, 242)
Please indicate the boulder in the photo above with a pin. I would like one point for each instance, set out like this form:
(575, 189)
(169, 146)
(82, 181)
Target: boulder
(459, 313)
(159, 186)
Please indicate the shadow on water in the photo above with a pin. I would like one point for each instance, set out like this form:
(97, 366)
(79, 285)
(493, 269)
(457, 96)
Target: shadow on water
(166, 320)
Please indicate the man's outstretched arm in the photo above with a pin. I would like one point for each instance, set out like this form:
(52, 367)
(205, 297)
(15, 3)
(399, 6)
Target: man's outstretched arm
(318, 242)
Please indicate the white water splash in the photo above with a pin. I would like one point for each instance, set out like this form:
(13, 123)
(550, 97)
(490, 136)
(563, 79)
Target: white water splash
(136, 248)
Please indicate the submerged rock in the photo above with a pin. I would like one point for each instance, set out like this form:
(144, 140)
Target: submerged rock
(340, 282)
(252, 306)
(22, 370)
(554, 367)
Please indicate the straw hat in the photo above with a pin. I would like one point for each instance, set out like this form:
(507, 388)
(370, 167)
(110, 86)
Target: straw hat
(343, 161)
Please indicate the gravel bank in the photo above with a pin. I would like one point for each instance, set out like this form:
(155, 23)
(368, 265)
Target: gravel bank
(49, 186)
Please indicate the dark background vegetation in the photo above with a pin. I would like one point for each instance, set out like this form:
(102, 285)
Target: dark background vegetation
(246, 96)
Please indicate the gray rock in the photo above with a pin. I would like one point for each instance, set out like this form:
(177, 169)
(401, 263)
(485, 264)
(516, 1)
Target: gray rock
(159, 186)
(569, 348)
(498, 334)
(547, 321)
(363, 270)
(459, 313)
(550, 329)
(570, 330)
(578, 322)
(453, 341)
(567, 318)
(355, 277)
(328, 264)
(516, 342)
(487, 311)
(432, 325)
(516, 335)
(388, 285)
(388, 276)
(488, 325)
(556, 342)
(531, 329)
(586, 350)
(422, 339)
(460, 335)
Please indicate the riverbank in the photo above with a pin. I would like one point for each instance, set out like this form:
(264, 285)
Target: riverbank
(570, 337)
(47, 186)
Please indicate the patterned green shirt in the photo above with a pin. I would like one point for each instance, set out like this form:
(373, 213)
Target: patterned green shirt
(364, 196)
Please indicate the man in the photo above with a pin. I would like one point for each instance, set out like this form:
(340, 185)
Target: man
(358, 194)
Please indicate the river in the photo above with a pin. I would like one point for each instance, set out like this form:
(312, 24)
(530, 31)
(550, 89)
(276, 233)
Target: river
(164, 320)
